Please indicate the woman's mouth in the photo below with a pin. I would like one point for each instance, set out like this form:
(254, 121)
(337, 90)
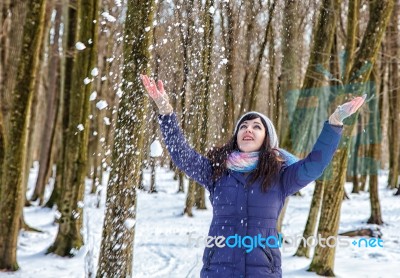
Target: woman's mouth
(248, 138)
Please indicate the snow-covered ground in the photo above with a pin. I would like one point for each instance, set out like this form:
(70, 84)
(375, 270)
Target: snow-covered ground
(162, 247)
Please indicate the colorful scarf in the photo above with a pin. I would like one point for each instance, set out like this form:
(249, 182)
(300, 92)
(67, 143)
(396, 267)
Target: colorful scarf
(247, 162)
(242, 162)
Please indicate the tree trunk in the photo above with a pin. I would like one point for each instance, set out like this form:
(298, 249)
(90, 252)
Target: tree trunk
(11, 185)
(116, 251)
(289, 80)
(13, 27)
(69, 238)
(300, 126)
(200, 200)
(250, 10)
(181, 180)
(190, 199)
(312, 220)
(52, 96)
(356, 185)
(374, 155)
(392, 36)
(202, 100)
(351, 38)
(228, 117)
(256, 79)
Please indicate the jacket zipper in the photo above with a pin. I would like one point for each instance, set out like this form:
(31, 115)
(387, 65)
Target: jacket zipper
(269, 256)
(209, 258)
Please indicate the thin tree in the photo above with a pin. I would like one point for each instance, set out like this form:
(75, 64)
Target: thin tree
(49, 131)
(252, 98)
(201, 100)
(229, 13)
(394, 99)
(76, 136)
(374, 155)
(288, 82)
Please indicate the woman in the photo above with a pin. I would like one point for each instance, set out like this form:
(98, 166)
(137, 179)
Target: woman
(248, 180)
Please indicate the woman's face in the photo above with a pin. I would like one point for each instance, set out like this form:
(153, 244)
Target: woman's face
(251, 135)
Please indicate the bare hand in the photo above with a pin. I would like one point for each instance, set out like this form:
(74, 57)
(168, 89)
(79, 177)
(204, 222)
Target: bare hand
(157, 93)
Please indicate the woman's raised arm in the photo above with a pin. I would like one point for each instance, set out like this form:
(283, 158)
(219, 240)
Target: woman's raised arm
(301, 173)
(185, 158)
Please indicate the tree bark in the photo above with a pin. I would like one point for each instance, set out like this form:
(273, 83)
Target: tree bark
(304, 250)
(256, 79)
(230, 46)
(11, 185)
(374, 156)
(392, 36)
(289, 80)
(13, 27)
(116, 251)
(300, 126)
(251, 13)
(355, 172)
(48, 134)
(74, 159)
(202, 100)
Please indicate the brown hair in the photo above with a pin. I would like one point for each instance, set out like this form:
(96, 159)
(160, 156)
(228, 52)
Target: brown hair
(269, 163)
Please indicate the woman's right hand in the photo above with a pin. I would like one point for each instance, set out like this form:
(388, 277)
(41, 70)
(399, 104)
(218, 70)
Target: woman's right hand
(158, 94)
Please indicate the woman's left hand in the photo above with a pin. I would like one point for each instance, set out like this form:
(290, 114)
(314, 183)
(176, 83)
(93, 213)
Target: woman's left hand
(346, 110)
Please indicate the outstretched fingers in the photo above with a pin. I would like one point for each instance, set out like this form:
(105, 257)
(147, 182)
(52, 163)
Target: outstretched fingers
(161, 87)
(357, 103)
(150, 86)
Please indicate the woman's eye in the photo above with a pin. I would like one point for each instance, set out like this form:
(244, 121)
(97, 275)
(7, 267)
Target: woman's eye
(258, 127)
(243, 126)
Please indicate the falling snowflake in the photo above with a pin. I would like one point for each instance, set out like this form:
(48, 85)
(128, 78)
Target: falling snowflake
(93, 96)
(94, 72)
(101, 104)
(108, 17)
(80, 46)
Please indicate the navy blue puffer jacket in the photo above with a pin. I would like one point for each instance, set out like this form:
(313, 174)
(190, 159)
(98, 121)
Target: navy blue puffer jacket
(243, 210)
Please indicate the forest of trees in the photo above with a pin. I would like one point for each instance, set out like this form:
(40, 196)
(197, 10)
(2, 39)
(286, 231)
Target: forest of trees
(71, 99)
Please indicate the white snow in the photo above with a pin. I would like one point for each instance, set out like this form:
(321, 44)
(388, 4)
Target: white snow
(94, 72)
(101, 104)
(87, 80)
(109, 17)
(80, 127)
(129, 223)
(107, 120)
(156, 149)
(80, 46)
(162, 246)
(93, 96)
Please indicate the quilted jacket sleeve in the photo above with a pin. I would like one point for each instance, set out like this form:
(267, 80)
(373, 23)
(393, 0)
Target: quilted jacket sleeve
(185, 158)
(301, 173)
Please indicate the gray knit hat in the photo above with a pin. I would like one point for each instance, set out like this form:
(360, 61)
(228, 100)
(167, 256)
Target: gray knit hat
(270, 127)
